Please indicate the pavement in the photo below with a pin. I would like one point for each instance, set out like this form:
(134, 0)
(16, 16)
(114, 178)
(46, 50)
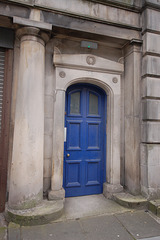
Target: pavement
(91, 218)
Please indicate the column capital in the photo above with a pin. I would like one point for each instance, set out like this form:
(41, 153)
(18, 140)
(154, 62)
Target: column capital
(134, 45)
(136, 42)
(32, 34)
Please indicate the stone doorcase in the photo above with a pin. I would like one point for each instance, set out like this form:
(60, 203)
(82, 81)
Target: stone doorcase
(86, 68)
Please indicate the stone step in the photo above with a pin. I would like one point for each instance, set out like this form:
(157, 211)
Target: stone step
(130, 201)
(43, 213)
(154, 207)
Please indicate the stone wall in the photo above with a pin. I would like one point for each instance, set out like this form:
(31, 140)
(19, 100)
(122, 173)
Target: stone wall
(150, 148)
(128, 32)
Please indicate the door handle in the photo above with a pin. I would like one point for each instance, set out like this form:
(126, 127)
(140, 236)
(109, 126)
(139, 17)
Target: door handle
(68, 154)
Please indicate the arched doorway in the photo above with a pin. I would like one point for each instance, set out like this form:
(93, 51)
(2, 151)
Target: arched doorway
(106, 75)
(85, 145)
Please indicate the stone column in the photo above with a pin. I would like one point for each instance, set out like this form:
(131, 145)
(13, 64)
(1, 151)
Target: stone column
(26, 181)
(132, 78)
(57, 191)
(112, 184)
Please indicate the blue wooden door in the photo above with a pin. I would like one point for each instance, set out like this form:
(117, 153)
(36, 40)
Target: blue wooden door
(84, 148)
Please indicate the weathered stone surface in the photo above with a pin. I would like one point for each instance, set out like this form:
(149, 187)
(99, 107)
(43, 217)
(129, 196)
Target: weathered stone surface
(154, 2)
(150, 65)
(26, 180)
(46, 185)
(151, 109)
(132, 77)
(151, 87)
(44, 213)
(48, 126)
(151, 132)
(150, 19)
(150, 154)
(144, 176)
(48, 146)
(153, 206)
(58, 142)
(32, 23)
(110, 189)
(48, 106)
(158, 211)
(56, 195)
(14, 10)
(140, 225)
(80, 62)
(130, 201)
(150, 168)
(13, 231)
(151, 43)
(3, 228)
(27, 2)
(92, 10)
(47, 168)
(88, 29)
(150, 193)
(3, 233)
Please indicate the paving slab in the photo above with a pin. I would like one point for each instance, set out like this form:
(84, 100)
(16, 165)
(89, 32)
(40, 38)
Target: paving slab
(153, 238)
(62, 231)
(3, 228)
(93, 205)
(104, 228)
(95, 228)
(13, 231)
(140, 224)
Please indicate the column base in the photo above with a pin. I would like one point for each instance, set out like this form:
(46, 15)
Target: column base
(110, 189)
(56, 195)
(150, 193)
(41, 214)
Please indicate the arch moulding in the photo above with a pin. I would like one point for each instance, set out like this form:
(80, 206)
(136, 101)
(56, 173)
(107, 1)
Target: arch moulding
(84, 68)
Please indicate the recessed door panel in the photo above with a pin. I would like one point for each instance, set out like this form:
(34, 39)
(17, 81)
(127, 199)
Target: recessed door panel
(93, 172)
(73, 170)
(74, 135)
(93, 135)
(84, 149)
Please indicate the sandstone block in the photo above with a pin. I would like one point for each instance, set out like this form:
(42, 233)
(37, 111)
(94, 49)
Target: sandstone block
(151, 109)
(151, 87)
(151, 132)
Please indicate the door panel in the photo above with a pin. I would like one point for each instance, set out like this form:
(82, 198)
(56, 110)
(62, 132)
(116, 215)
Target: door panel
(84, 152)
(74, 135)
(93, 172)
(93, 135)
(73, 170)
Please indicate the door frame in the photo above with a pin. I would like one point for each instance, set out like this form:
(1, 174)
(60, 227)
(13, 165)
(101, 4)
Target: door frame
(89, 86)
(71, 69)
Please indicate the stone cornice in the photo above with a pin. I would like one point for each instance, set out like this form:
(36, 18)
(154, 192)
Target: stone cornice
(87, 62)
(32, 23)
(118, 3)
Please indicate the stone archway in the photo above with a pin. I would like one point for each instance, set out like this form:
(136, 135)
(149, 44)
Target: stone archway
(107, 75)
